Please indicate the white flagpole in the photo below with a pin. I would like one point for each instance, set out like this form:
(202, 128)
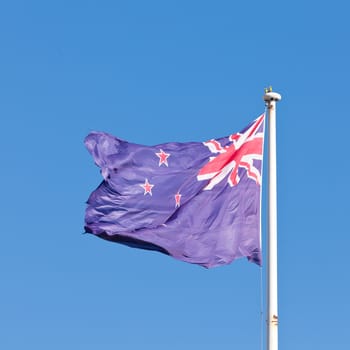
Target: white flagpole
(272, 303)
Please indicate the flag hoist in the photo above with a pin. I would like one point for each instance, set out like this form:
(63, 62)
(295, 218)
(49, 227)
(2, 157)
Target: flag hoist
(272, 303)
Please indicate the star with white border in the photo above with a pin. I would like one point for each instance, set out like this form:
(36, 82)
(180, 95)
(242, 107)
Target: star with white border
(147, 187)
(163, 157)
(177, 199)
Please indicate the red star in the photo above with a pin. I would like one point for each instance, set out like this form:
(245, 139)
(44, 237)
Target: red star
(147, 187)
(163, 157)
(177, 199)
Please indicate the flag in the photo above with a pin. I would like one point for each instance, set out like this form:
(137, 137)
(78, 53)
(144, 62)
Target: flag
(197, 201)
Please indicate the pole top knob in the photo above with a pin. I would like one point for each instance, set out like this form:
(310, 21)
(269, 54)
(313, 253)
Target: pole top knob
(271, 96)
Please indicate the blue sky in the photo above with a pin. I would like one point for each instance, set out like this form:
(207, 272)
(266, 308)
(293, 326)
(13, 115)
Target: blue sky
(151, 72)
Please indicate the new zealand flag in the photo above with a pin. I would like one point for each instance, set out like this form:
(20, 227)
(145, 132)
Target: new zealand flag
(198, 202)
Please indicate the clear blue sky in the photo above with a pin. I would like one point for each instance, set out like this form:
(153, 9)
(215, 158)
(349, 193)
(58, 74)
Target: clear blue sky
(151, 72)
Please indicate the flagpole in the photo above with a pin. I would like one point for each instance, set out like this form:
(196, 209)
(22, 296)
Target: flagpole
(272, 303)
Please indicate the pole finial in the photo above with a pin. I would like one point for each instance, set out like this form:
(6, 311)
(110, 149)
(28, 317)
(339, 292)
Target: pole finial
(270, 95)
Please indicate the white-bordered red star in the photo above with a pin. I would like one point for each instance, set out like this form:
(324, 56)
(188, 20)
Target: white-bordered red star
(177, 199)
(147, 187)
(163, 157)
